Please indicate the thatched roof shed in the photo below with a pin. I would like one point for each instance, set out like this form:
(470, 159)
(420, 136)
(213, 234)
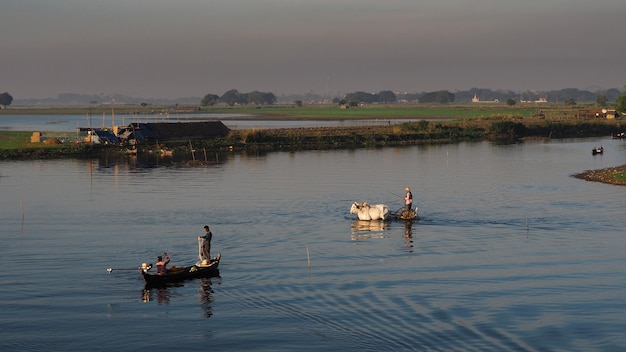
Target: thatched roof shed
(169, 131)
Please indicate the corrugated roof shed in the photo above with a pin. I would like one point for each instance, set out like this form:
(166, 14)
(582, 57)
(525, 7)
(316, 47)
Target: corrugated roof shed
(105, 136)
(144, 132)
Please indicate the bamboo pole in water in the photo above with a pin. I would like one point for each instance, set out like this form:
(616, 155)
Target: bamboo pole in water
(308, 257)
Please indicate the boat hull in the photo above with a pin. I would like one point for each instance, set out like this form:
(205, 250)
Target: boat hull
(178, 274)
(403, 214)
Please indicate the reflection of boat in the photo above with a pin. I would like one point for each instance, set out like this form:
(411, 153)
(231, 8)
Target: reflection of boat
(402, 214)
(599, 150)
(180, 273)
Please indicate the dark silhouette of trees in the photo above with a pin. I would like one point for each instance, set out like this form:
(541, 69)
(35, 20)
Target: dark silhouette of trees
(210, 100)
(387, 96)
(234, 97)
(5, 100)
(440, 97)
(260, 98)
(359, 97)
(620, 103)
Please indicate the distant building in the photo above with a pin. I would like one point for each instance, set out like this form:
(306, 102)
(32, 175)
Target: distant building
(476, 99)
(540, 100)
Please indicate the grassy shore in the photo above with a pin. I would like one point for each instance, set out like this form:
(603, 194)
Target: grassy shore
(325, 112)
(611, 175)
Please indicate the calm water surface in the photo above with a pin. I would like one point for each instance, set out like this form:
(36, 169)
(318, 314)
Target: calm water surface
(511, 252)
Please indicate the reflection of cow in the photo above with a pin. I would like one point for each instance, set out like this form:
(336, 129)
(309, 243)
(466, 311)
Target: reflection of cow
(368, 226)
(367, 211)
(367, 229)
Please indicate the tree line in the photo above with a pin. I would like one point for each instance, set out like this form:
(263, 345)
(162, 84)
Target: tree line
(234, 97)
(568, 96)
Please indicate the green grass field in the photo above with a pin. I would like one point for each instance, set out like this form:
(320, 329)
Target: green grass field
(395, 111)
(21, 139)
(14, 140)
(331, 112)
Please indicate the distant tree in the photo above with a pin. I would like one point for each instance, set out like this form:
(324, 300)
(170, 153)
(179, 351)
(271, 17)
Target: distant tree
(620, 103)
(269, 98)
(5, 100)
(510, 102)
(602, 100)
(210, 100)
(387, 96)
(570, 101)
(233, 97)
(256, 97)
(440, 97)
(298, 103)
(360, 97)
(612, 94)
(260, 98)
(143, 105)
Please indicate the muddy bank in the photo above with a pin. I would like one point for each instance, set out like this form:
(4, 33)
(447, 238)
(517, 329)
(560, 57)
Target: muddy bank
(611, 175)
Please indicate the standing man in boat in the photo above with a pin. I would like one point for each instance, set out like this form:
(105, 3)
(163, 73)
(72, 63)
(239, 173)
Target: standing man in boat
(206, 244)
(408, 199)
(162, 264)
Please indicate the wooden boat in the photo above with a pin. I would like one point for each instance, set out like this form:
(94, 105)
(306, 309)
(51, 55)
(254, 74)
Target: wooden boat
(402, 214)
(620, 135)
(181, 273)
(599, 150)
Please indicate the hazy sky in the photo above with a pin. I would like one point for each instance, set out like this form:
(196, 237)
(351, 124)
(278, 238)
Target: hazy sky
(181, 48)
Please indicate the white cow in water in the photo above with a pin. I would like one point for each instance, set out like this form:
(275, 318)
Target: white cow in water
(367, 211)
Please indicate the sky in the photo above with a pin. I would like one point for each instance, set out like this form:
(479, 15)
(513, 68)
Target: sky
(186, 48)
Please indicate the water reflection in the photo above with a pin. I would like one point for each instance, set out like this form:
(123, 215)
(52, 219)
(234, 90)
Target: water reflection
(206, 295)
(163, 294)
(365, 229)
(408, 234)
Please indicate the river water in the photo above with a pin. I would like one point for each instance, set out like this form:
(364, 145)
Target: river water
(511, 252)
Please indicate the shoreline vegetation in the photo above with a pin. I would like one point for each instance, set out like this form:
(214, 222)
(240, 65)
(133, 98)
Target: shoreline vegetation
(437, 124)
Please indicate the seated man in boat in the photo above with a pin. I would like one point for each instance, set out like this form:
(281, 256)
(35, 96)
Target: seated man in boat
(162, 265)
